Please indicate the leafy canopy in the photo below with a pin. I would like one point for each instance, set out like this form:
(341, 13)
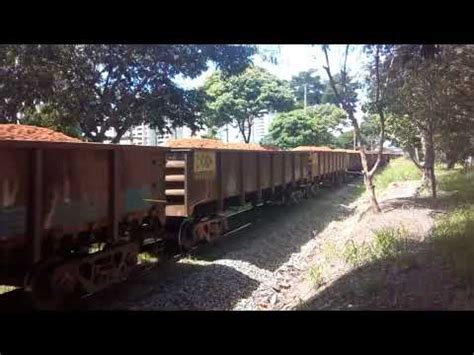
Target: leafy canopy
(314, 88)
(315, 126)
(100, 87)
(239, 99)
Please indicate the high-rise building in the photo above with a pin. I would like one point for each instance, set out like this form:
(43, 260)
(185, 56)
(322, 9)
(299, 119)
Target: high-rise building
(145, 135)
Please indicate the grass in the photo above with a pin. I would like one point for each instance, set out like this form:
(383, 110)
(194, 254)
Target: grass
(454, 239)
(356, 254)
(315, 275)
(457, 186)
(387, 244)
(453, 233)
(399, 169)
(330, 252)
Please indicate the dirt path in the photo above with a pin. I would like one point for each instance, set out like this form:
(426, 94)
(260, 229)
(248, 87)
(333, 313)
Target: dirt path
(417, 279)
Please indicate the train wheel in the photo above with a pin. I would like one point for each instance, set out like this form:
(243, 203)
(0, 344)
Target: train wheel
(186, 237)
(63, 284)
(46, 291)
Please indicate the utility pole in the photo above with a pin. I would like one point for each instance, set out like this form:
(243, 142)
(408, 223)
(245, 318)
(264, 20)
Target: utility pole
(305, 94)
(227, 131)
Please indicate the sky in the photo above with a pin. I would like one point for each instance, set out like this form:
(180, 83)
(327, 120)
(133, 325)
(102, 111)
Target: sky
(294, 58)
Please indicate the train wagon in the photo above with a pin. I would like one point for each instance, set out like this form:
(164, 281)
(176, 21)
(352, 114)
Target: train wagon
(201, 184)
(324, 164)
(74, 216)
(355, 163)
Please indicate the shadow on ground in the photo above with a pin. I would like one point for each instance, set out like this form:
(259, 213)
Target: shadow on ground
(276, 233)
(182, 287)
(428, 275)
(280, 231)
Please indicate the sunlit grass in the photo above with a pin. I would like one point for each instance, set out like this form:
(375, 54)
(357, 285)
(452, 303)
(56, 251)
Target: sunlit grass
(399, 169)
(457, 185)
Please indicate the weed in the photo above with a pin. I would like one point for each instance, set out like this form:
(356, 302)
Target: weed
(315, 275)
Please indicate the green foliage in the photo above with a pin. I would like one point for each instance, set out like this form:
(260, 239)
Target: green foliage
(315, 275)
(311, 127)
(330, 252)
(314, 88)
(401, 130)
(356, 254)
(370, 131)
(241, 98)
(211, 133)
(49, 117)
(345, 140)
(27, 77)
(112, 86)
(350, 94)
(389, 242)
(400, 169)
(431, 96)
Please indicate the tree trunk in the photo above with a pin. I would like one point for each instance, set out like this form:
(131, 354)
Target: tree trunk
(368, 181)
(429, 178)
(417, 155)
(120, 132)
(357, 135)
(244, 130)
(450, 160)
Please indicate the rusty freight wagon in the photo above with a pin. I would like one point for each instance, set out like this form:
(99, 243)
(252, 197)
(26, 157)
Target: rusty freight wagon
(324, 164)
(355, 163)
(201, 184)
(73, 216)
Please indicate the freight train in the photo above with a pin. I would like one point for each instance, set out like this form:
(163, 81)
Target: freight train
(75, 216)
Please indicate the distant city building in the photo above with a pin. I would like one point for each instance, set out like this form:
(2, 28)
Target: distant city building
(261, 127)
(144, 135)
(230, 133)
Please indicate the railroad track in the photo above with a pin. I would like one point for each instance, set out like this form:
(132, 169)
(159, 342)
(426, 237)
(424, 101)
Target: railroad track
(17, 300)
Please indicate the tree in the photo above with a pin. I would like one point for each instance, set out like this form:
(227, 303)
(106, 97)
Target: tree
(433, 93)
(240, 99)
(345, 140)
(311, 127)
(27, 76)
(370, 130)
(48, 117)
(347, 98)
(347, 84)
(116, 87)
(455, 147)
(314, 88)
